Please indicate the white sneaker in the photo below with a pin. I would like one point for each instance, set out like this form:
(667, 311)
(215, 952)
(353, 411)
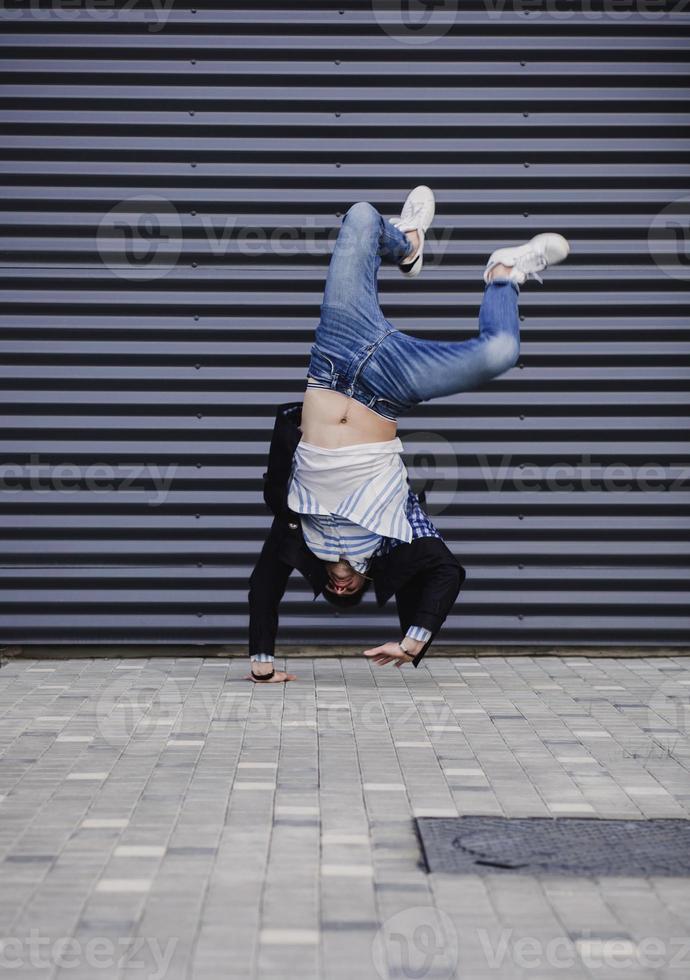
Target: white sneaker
(530, 259)
(416, 215)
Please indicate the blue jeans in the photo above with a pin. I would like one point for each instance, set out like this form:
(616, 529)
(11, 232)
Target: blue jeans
(359, 353)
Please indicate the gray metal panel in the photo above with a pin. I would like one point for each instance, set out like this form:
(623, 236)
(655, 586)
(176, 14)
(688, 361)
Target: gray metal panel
(562, 486)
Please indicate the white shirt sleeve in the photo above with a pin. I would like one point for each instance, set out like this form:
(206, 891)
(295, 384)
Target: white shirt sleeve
(419, 633)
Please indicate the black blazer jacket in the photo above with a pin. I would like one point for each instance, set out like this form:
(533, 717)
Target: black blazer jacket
(424, 575)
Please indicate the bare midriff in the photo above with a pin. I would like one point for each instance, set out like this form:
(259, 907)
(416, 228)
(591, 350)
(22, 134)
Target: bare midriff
(332, 420)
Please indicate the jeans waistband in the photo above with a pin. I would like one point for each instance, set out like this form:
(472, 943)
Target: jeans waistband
(384, 407)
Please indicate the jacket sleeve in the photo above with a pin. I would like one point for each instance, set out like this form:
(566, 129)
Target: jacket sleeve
(427, 598)
(267, 586)
(283, 442)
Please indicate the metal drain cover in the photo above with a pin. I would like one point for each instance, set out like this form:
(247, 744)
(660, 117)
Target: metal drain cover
(567, 845)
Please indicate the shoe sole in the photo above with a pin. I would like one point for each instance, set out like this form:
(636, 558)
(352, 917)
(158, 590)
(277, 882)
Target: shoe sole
(413, 268)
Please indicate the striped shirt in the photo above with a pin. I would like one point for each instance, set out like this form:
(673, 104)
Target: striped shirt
(419, 522)
(349, 499)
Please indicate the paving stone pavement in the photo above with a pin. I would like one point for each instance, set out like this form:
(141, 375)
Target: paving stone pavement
(164, 818)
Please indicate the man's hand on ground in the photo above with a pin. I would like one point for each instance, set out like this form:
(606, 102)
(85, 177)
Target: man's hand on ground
(280, 677)
(389, 653)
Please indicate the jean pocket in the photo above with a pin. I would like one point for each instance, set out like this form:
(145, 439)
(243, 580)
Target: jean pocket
(390, 409)
(321, 367)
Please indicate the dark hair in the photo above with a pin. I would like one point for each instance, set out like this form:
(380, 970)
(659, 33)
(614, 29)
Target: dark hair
(345, 601)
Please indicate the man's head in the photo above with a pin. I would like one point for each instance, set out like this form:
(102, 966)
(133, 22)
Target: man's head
(345, 586)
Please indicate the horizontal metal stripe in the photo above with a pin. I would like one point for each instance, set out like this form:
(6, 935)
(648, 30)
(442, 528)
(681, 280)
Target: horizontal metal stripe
(325, 25)
(551, 377)
(562, 625)
(55, 258)
(115, 642)
(339, 96)
(92, 305)
(183, 285)
(372, 17)
(479, 577)
(498, 402)
(487, 44)
(274, 242)
(342, 51)
(527, 420)
(461, 474)
(276, 256)
(542, 328)
(275, 250)
(212, 601)
(129, 280)
(452, 174)
(461, 531)
(467, 472)
(147, 349)
(612, 525)
(451, 483)
(630, 448)
(469, 549)
(342, 145)
(461, 501)
(192, 427)
(467, 224)
(264, 327)
(291, 381)
(320, 120)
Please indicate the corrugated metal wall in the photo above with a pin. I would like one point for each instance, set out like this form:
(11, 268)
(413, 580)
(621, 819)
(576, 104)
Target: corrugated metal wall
(153, 342)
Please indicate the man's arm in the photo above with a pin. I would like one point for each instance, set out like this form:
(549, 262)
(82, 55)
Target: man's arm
(267, 586)
(425, 600)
